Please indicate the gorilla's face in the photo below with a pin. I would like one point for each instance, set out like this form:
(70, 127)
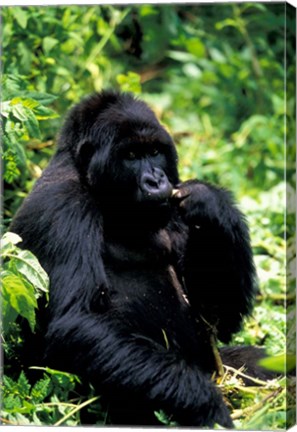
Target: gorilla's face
(144, 168)
(128, 158)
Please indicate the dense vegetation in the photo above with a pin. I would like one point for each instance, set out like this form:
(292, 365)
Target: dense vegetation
(219, 78)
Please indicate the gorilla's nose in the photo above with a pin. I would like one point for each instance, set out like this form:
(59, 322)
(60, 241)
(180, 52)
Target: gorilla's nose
(155, 184)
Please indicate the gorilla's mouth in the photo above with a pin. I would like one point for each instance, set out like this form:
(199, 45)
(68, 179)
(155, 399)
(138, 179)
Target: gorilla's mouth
(155, 199)
(158, 196)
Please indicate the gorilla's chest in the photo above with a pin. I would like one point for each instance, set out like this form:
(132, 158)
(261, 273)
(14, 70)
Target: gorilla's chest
(143, 277)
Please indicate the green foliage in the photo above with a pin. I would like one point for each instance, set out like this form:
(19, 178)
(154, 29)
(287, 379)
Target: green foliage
(215, 77)
(129, 82)
(21, 112)
(23, 281)
(42, 403)
(279, 363)
(21, 115)
(164, 419)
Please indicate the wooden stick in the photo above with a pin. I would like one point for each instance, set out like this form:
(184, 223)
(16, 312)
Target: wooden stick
(217, 357)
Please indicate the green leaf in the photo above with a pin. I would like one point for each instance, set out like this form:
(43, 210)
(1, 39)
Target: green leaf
(164, 418)
(42, 98)
(279, 363)
(44, 113)
(225, 23)
(129, 82)
(25, 55)
(28, 265)
(48, 43)
(5, 109)
(40, 390)
(20, 112)
(21, 419)
(20, 295)
(20, 155)
(20, 15)
(8, 383)
(8, 242)
(196, 47)
(9, 314)
(23, 384)
(181, 56)
(32, 126)
(12, 402)
(26, 102)
(11, 171)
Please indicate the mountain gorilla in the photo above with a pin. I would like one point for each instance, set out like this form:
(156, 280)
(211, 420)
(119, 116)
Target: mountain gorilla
(144, 270)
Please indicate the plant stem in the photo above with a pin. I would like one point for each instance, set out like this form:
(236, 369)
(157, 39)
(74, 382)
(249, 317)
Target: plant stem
(78, 408)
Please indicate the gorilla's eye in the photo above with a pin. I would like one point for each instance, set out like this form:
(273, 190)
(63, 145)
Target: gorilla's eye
(154, 151)
(131, 155)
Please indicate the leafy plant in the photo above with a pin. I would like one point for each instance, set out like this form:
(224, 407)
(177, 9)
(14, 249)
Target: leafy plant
(23, 282)
(43, 403)
(21, 115)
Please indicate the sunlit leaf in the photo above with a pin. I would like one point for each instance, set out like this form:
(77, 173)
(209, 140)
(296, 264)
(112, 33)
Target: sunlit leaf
(48, 43)
(8, 242)
(279, 363)
(20, 295)
(26, 263)
(20, 15)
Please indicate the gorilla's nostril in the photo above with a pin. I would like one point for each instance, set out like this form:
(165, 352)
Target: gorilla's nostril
(155, 185)
(151, 182)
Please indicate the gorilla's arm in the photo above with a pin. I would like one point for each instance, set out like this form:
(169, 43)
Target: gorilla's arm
(122, 362)
(61, 225)
(218, 265)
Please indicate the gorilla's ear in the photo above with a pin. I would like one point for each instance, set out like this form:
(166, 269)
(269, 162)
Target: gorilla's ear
(85, 151)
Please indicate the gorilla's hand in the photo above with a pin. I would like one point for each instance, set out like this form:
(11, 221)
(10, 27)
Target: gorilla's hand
(201, 204)
(211, 412)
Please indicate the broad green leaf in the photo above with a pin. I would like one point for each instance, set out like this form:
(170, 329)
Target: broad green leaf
(8, 242)
(20, 15)
(181, 56)
(44, 113)
(26, 102)
(225, 23)
(48, 43)
(20, 154)
(9, 314)
(20, 295)
(22, 420)
(28, 265)
(196, 47)
(42, 98)
(279, 363)
(32, 125)
(19, 112)
(5, 108)
(25, 54)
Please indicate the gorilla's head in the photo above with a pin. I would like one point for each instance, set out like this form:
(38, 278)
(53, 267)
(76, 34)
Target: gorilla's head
(121, 151)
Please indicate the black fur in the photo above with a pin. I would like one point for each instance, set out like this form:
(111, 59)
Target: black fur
(139, 279)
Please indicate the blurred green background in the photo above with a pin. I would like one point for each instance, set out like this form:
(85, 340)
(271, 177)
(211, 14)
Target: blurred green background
(221, 78)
